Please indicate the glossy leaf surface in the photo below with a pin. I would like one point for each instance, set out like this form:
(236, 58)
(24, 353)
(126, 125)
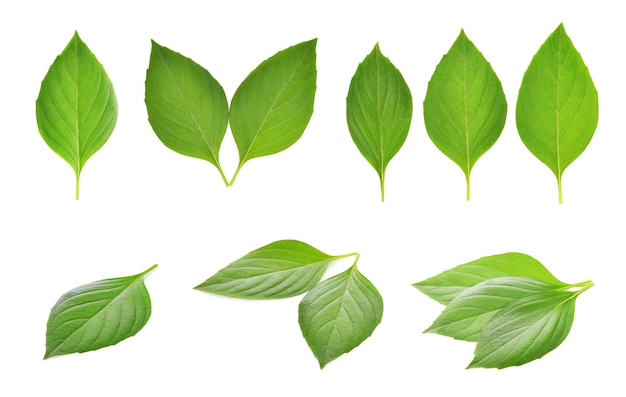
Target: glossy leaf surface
(97, 315)
(76, 108)
(465, 107)
(557, 106)
(379, 110)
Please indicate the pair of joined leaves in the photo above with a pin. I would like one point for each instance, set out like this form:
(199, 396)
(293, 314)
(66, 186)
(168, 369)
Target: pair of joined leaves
(557, 107)
(188, 109)
(510, 305)
(335, 315)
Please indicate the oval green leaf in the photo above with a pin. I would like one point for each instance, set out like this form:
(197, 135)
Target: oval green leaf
(187, 107)
(447, 285)
(76, 108)
(338, 314)
(379, 110)
(97, 315)
(557, 106)
(465, 107)
(278, 270)
(273, 105)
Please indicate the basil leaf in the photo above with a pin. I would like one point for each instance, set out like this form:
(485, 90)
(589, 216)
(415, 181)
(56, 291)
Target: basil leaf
(187, 107)
(97, 315)
(76, 108)
(447, 285)
(465, 107)
(273, 105)
(379, 109)
(467, 314)
(278, 270)
(525, 329)
(339, 314)
(557, 106)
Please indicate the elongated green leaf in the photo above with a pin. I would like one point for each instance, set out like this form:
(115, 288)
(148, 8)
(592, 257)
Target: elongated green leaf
(445, 286)
(467, 314)
(278, 270)
(76, 108)
(273, 105)
(379, 109)
(187, 107)
(339, 314)
(97, 315)
(557, 106)
(465, 107)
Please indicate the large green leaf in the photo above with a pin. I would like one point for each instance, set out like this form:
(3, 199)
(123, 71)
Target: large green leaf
(278, 270)
(187, 107)
(273, 105)
(445, 286)
(557, 106)
(97, 315)
(379, 109)
(76, 108)
(339, 314)
(465, 107)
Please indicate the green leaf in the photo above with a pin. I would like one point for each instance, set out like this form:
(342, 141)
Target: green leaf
(445, 286)
(557, 106)
(76, 108)
(278, 270)
(465, 107)
(467, 314)
(339, 314)
(273, 105)
(379, 109)
(526, 329)
(97, 315)
(187, 107)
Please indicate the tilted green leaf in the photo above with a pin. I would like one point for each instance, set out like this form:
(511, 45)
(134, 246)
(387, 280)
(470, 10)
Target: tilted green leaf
(76, 108)
(557, 106)
(338, 314)
(97, 315)
(379, 110)
(278, 270)
(187, 107)
(465, 107)
(445, 286)
(467, 314)
(273, 105)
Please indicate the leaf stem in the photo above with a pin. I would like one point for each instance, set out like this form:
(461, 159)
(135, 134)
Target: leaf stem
(382, 186)
(467, 187)
(149, 270)
(558, 179)
(77, 185)
(236, 173)
(219, 168)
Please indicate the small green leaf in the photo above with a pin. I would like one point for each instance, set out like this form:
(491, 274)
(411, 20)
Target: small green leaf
(465, 317)
(447, 285)
(557, 106)
(273, 105)
(379, 109)
(526, 329)
(465, 107)
(76, 108)
(278, 270)
(187, 107)
(97, 315)
(339, 314)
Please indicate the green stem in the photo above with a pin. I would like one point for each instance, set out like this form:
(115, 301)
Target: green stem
(467, 187)
(382, 186)
(222, 175)
(77, 185)
(558, 179)
(149, 270)
(236, 173)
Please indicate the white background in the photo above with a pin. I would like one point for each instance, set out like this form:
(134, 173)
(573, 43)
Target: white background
(142, 203)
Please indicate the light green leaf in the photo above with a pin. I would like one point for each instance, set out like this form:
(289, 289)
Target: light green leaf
(445, 286)
(187, 107)
(273, 105)
(467, 314)
(76, 108)
(97, 315)
(557, 106)
(278, 270)
(379, 109)
(526, 329)
(465, 107)
(339, 314)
